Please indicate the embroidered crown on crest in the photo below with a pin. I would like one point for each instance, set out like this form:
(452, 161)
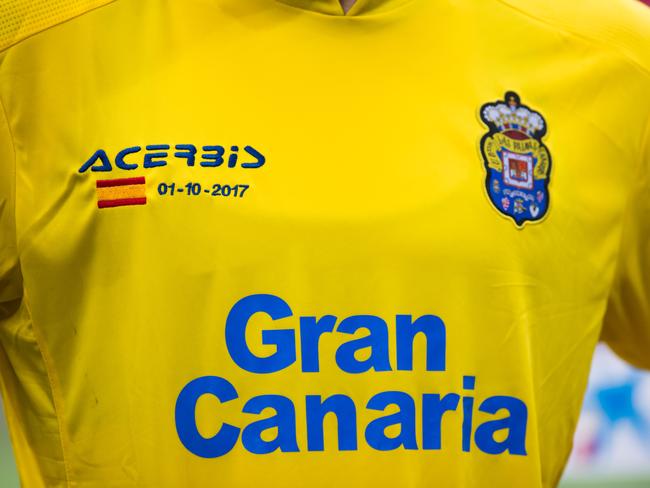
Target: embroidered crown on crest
(512, 115)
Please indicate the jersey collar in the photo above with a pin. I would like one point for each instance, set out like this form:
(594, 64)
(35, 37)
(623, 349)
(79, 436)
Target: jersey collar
(333, 7)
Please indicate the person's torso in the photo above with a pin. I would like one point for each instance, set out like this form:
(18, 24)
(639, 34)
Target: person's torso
(267, 245)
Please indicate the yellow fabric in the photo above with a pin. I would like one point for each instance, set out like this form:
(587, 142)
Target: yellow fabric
(128, 191)
(355, 199)
(20, 19)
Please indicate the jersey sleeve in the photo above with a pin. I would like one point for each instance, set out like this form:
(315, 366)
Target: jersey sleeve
(627, 319)
(10, 276)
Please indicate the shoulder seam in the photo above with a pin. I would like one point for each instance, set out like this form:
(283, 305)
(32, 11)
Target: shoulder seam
(52, 381)
(19, 40)
(15, 158)
(593, 40)
(644, 156)
(56, 405)
(642, 172)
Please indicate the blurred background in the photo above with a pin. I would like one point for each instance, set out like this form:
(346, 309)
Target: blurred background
(612, 441)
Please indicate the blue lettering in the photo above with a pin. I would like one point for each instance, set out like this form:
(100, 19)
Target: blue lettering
(436, 336)
(212, 160)
(224, 440)
(377, 341)
(433, 408)
(311, 329)
(345, 411)
(119, 159)
(515, 442)
(399, 416)
(284, 421)
(150, 158)
(187, 151)
(468, 409)
(284, 339)
(232, 159)
(375, 431)
(99, 155)
(259, 157)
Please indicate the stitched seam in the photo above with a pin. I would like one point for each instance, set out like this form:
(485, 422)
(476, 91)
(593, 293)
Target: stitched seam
(63, 21)
(644, 69)
(645, 154)
(645, 143)
(628, 203)
(364, 17)
(645, 136)
(56, 400)
(13, 150)
(57, 409)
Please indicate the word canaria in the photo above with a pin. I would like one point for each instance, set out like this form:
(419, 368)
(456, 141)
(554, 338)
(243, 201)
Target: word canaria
(505, 434)
(155, 155)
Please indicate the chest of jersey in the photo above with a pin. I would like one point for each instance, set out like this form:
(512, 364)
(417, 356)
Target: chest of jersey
(361, 171)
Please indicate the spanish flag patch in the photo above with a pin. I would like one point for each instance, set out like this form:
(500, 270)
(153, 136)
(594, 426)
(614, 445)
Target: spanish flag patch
(121, 191)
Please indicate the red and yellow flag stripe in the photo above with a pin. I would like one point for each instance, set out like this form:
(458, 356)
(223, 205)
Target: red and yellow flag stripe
(121, 191)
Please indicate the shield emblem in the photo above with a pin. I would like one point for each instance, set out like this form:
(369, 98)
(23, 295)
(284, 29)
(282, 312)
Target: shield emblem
(517, 163)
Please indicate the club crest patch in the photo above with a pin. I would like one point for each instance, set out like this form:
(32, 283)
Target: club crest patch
(517, 163)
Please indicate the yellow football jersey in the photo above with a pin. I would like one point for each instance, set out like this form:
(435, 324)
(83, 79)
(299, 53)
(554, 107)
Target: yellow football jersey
(263, 243)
